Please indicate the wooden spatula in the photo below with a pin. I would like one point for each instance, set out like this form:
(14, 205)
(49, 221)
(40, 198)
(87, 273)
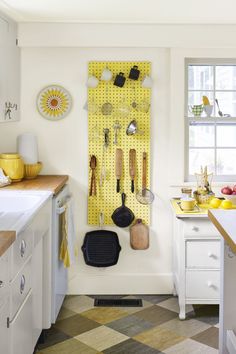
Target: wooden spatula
(93, 164)
(132, 167)
(119, 165)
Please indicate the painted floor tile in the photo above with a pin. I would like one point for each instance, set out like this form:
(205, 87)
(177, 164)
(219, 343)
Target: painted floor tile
(209, 337)
(159, 338)
(154, 299)
(156, 315)
(79, 304)
(130, 325)
(75, 325)
(104, 315)
(53, 337)
(173, 305)
(206, 313)
(131, 346)
(71, 346)
(189, 346)
(65, 313)
(186, 328)
(101, 338)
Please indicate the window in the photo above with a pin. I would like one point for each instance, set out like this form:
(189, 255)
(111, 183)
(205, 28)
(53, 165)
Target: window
(211, 140)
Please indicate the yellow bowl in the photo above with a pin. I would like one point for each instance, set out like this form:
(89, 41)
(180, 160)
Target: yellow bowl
(32, 170)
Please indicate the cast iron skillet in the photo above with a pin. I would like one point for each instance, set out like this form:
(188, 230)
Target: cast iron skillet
(123, 216)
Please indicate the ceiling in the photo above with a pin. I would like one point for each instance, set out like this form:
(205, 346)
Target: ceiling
(122, 11)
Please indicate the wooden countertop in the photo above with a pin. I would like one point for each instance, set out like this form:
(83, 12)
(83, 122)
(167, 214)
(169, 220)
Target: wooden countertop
(6, 240)
(225, 222)
(53, 183)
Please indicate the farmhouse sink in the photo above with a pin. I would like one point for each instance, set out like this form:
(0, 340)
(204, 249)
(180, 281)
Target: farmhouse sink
(18, 202)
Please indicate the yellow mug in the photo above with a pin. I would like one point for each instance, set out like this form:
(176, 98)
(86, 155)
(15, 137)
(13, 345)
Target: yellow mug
(187, 204)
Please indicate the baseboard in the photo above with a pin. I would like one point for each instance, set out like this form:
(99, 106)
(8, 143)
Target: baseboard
(82, 284)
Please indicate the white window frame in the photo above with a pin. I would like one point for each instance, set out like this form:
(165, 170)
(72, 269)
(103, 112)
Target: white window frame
(214, 120)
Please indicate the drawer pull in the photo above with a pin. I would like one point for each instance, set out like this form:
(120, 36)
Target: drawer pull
(22, 248)
(22, 284)
(1, 284)
(211, 285)
(211, 255)
(195, 228)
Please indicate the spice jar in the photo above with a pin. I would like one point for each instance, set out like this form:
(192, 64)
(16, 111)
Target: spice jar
(12, 165)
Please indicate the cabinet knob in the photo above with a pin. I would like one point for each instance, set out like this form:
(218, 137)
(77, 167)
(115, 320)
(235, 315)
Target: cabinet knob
(211, 255)
(22, 284)
(1, 284)
(195, 228)
(210, 284)
(22, 248)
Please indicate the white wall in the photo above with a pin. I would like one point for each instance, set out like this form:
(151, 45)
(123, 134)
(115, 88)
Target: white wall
(53, 53)
(63, 148)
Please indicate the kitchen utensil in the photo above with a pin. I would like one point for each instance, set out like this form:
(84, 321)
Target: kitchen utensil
(107, 107)
(106, 137)
(116, 128)
(132, 167)
(27, 147)
(144, 196)
(103, 173)
(134, 73)
(123, 109)
(106, 75)
(147, 82)
(119, 80)
(101, 248)
(139, 235)
(132, 128)
(134, 103)
(93, 165)
(208, 109)
(92, 82)
(118, 169)
(93, 108)
(123, 216)
(143, 106)
(219, 111)
(187, 204)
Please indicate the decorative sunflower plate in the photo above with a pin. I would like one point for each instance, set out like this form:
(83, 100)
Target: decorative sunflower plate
(54, 102)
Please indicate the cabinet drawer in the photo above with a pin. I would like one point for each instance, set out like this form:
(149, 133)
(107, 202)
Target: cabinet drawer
(202, 227)
(21, 250)
(203, 284)
(20, 287)
(4, 280)
(203, 254)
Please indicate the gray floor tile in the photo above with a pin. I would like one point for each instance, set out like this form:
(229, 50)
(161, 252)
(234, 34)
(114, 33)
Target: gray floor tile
(130, 325)
(131, 347)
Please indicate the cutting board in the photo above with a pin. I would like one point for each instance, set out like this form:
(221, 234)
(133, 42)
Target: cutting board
(139, 235)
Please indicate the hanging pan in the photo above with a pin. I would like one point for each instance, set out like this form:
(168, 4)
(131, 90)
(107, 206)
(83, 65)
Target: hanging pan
(123, 216)
(144, 196)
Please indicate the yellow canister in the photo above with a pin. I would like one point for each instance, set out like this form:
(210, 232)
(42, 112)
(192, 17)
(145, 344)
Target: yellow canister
(12, 165)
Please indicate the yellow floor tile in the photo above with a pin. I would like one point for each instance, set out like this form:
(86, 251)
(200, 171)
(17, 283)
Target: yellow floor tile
(104, 315)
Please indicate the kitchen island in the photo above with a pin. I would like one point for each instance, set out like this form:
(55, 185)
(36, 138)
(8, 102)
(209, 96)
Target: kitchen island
(225, 222)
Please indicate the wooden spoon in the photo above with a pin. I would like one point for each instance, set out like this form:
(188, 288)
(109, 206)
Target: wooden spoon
(93, 164)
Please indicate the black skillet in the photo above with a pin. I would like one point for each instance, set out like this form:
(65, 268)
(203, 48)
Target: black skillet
(123, 216)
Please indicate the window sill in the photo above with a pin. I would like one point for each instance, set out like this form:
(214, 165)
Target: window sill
(193, 184)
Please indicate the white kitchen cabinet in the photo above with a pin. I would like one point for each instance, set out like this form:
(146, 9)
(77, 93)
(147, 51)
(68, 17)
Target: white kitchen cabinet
(9, 71)
(21, 328)
(196, 262)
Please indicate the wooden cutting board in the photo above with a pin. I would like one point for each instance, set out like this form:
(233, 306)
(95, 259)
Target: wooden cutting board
(139, 236)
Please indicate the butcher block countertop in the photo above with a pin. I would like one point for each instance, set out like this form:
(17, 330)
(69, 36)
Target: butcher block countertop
(6, 240)
(53, 183)
(225, 222)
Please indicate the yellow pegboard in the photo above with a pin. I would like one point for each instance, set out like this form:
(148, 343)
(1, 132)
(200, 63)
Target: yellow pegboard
(107, 200)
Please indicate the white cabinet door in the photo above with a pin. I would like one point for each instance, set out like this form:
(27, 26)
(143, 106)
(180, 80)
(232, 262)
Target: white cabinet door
(4, 331)
(21, 329)
(37, 290)
(3, 66)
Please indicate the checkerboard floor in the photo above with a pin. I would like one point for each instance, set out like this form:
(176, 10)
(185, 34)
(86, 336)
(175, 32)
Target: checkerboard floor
(154, 328)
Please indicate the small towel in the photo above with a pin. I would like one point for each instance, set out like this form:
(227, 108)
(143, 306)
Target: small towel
(68, 248)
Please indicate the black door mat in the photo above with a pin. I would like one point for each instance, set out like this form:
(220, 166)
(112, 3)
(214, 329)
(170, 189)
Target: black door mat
(118, 302)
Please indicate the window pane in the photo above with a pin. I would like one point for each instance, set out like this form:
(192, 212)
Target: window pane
(226, 77)
(201, 135)
(200, 77)
(226, 135)
(201, 157)
(196, 98)
(227, 103)
(226, 161)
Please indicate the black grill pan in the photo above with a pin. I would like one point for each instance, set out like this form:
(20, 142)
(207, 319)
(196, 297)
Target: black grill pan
(101, 248)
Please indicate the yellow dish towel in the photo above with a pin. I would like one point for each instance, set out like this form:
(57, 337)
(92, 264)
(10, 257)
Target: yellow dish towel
(64, 252)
